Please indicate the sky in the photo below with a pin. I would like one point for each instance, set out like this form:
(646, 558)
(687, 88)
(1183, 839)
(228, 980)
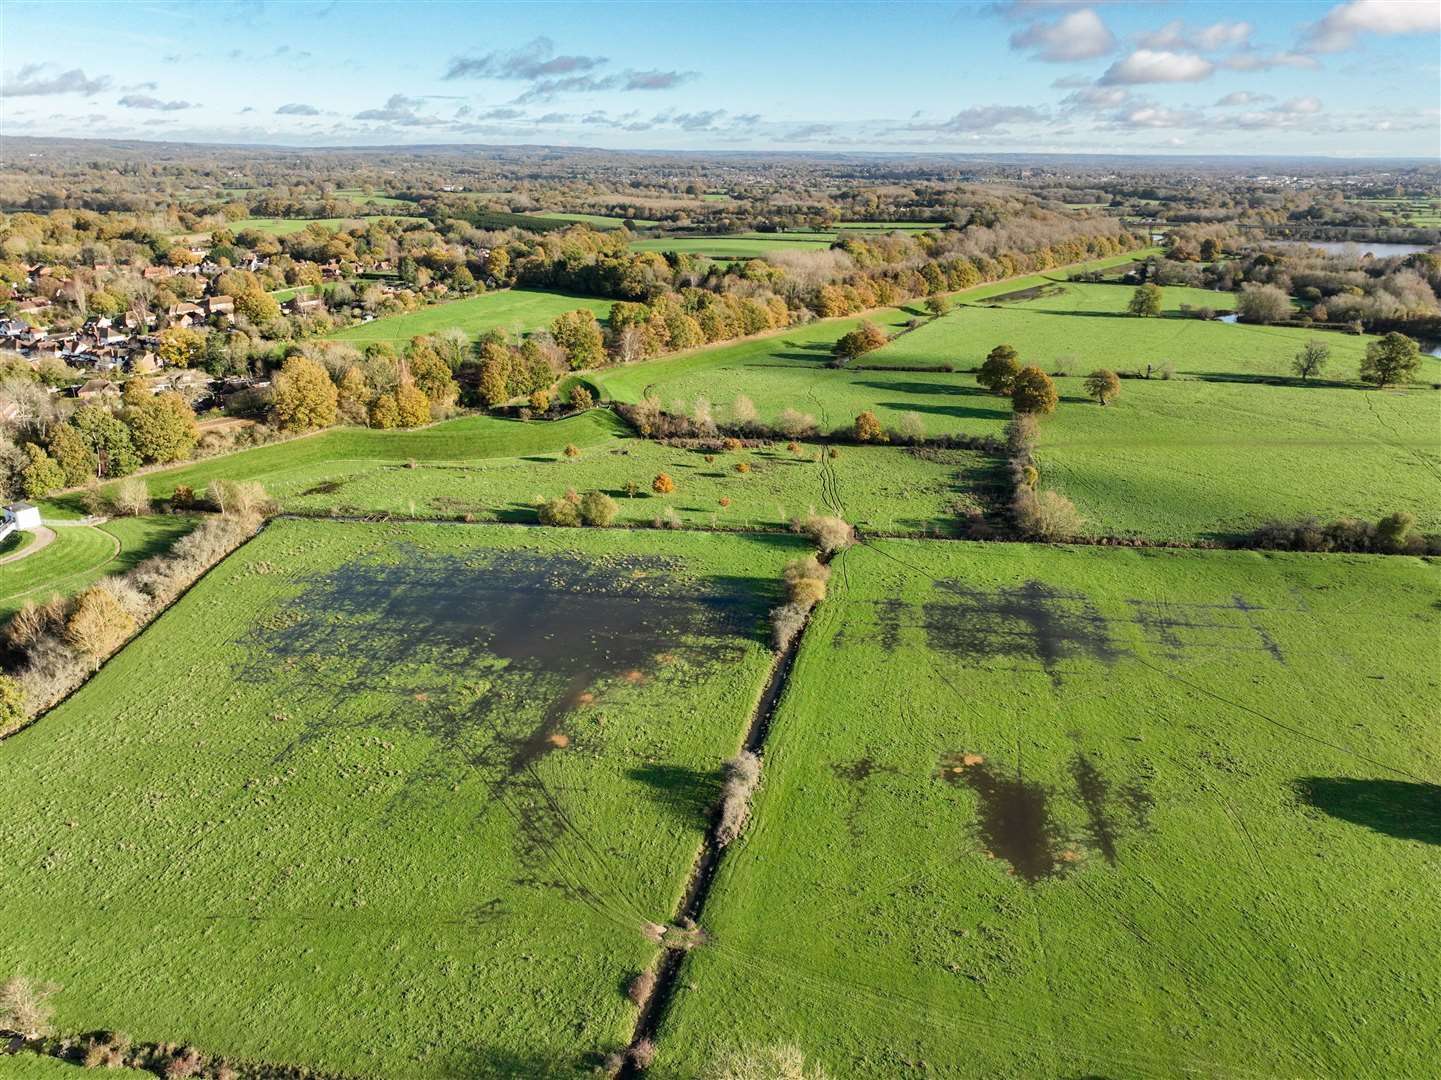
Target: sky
(1361, 78)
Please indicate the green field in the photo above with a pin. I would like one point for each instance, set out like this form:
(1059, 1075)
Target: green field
(511, 310)
(342, 451)
(82, 554)
(595, 221)
(882, 489)
(1195, 460)
(743, 246)
(1193, 838)
(36, 1067)
(286, 226)
(356, 195)
(431, 781)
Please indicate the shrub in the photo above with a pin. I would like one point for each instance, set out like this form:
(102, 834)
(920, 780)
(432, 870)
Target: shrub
(25, 1006)
(998, 372)
(668, 519)
(581, 398)
(12, 704)
(239, 498)
(730, 445)
(131, 498)
(559, 512)
(794, 424)
(833, 453)
(743, 411)
(642, 1054)
(1103, 385)
(724, 501)
(99, 624)
(540, 401)
(743, 466)
(868, 428)
(743, 776)
(831, 534)
(183, 497)
(1029, 475)
(1046, 515)
(1393, 530)
(793, 446)
(571, 450)
(640, 987)
(786, 623)
(632, 489)
(662, 484)
(911, 427)
(598, 509)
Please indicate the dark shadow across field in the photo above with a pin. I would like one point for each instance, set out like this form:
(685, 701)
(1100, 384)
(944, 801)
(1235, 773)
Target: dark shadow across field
(1399, 808)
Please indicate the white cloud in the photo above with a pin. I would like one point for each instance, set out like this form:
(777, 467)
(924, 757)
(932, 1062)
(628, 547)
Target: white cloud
(1176, 35)
(986, 118)
(1302, 106)
(1155, 116)
(1157, 66)
(1080, 35)
(1097, 97)
(1338, 30)
(29, 82)
(1242, 97)
(146, 101)
(1253, 61)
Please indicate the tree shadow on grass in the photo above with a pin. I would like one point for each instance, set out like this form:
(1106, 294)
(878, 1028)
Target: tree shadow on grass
(1399, 808)
(688, 794)
(495, 1063)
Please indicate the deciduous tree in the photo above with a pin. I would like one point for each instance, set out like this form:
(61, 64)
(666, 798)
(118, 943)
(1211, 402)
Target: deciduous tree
(1033, 392)
(1146, 300)
(1393, 359)
(304, 397)
(1103, 385)
(999, 370)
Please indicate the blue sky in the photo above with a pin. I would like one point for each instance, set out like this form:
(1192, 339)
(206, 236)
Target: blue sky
(1357, 78)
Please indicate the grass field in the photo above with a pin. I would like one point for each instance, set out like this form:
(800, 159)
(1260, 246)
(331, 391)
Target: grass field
(36, 1067)
(751, 246)
(343, 451)
(286, 226)
(81, 554)
(511, 310)
(1036, 811)
(595, 221)
(883, 489)
(1191, 460)
(431, 781)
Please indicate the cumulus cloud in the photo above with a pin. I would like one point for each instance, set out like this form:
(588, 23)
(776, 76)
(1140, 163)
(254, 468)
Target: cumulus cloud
(1253, 61)
(986, 118)
(1176, 35)
(1144, 116)
(297, 108)
(1080, 35)
(1095, 98)
(146, 101)
(806, 133)
(536, 59)
(1242, 97)
(398, 109)
(30, 81)
(1301, 106)
(1340, 27)
(1157, 66)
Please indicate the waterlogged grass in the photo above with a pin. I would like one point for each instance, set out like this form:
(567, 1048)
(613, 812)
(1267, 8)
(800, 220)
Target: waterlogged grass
(431, 781)
(883, 489)
(342, 452)
(1036, 811)
(82, 554)
(1188, 460)
(511, 310)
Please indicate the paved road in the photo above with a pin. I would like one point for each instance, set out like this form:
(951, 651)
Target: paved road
(43, 537)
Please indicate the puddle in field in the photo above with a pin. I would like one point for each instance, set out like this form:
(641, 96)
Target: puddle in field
(1013, 817)
(502, 657)
(1033, 621)
(1183, 629)
(327, 487)
(1019, 820)
(857, 775)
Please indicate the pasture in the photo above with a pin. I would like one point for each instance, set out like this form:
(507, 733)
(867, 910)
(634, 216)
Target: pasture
(340, 451)
(1209, 460)
(596, 221)
(81, 554)
(1039, 811)
(432, 781)
(513, 311)
(286, 226)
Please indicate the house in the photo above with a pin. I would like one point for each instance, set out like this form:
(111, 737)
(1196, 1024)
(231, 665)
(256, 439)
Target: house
(157, 273)
(300, 304)
(219, 305)
(18, 516)
(97, 388)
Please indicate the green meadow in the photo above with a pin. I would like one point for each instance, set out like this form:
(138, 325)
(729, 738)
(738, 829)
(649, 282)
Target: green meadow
(1039, 811)
(286, 226)
(513, 311)
(435, 781)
